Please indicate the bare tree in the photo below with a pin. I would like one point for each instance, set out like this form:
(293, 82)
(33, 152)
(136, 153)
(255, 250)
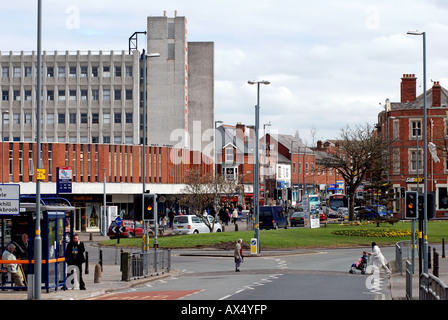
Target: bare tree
(358, 151)
(203, 191)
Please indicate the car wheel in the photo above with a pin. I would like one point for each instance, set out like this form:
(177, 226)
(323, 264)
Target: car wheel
(195, 231)
(219, 230)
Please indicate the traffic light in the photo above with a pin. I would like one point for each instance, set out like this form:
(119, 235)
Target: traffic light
(402, 192)
(149, 207)
(430, 214)
(411, 210)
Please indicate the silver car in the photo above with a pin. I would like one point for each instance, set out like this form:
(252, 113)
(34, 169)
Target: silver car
(189, 224)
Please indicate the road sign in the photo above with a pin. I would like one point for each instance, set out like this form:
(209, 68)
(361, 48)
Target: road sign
(9, 199)
(118, 229)
(118, 221)
(40, 174)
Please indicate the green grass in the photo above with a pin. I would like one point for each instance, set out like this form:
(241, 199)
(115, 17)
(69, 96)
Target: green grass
(297, 238)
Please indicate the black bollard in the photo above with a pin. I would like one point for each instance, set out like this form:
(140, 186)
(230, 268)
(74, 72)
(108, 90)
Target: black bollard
(101, 260)
(87, 263)
(435, 270)
(443, 247)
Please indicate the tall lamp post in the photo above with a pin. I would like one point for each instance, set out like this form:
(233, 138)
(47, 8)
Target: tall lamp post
(257, 165)
(3, 144)
(144, 57)
(425, 149)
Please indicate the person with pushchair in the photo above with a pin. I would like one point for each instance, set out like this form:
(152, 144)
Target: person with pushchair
(360, 264)
(238, 254)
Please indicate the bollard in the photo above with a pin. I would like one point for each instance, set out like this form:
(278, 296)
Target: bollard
(91, 236)
(98, 275)
(125, 267)
(435, 270)
(87, 263)
(236, 227)
(101, 260)
(429, 257)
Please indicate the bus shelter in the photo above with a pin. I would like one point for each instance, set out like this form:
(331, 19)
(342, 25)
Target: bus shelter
(56, 230)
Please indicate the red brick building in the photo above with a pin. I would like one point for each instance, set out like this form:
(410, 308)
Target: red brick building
(120, 166)
(401, 123)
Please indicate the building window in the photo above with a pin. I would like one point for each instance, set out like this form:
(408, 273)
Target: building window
(50, 95)
(84, 72)
(61, 118)
(27, 72)
(5, 72)
(72, 71)
(27, 95)
(118, 71)
(106, 95)
(16, 118)
(117, 95)
(50, 72)
(95, 95)
(72, 95)
(95, 118)
(128, 117)
(83, 95)
(61, 95)
(61, 72)
(5, 95)
(95, 72)
(106, 71)
(50, 118)
(72, 118)
(229, 155)
(129, 94)
(83, 117)
(28, 118)
(117, 117)
(106, 118)
(17, 72)
(396, 161)
(128, 71)
(416, 129)
(17, 95)
(416, 161)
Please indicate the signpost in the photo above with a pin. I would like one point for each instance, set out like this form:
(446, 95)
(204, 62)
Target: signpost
(9, 199)
(119, 228)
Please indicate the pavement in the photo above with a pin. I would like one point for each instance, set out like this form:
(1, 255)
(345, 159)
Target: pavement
(111, 277)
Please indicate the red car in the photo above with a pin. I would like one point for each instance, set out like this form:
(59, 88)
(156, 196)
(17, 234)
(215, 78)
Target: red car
(131, 229)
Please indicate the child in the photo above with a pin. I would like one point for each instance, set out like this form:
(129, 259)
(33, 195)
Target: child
(359, 264)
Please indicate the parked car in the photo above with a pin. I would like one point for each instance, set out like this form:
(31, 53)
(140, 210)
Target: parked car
(374, 211)
(189, 224)
(297, 218)
(131, 229)
(273, 217)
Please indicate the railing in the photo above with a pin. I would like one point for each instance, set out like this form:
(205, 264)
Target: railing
(432, 288)
(402, 252)
(409, 273)
(142, 264)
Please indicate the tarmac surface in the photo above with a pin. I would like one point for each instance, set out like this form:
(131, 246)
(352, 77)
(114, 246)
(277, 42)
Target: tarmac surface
(111, 278)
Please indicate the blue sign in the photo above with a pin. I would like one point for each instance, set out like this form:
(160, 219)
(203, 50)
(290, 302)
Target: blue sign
(64, 180)
(118, 221)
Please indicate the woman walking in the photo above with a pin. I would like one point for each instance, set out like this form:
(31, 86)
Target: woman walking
(238, 254)
(378, 259)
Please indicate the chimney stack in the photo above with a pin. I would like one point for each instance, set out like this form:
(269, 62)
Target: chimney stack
(436, 94)
(408, 88)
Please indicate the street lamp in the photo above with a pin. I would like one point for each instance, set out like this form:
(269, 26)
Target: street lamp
(144, 57)
(425, 146)
(215, 167)
(264, 172)
(256, 165)
(3, 144)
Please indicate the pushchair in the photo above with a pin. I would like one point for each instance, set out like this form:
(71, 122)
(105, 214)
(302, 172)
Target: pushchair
(361, 264)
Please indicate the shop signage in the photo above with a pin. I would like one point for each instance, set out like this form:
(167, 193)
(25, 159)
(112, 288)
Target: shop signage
(414, 180)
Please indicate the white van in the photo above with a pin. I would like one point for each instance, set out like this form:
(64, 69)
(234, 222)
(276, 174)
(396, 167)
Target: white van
(189, 224)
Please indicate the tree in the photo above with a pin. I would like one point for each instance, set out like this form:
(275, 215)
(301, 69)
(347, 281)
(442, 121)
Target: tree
(357, 152)
(203, 191)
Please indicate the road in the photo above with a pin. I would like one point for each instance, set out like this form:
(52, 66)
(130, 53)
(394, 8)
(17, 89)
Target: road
(306, 275)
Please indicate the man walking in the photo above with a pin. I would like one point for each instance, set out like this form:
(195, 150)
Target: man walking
(75, 256)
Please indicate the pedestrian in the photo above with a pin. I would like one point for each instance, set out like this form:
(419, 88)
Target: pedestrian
(164, 222)
(13, 268)
(22, 251)
(75, 256)
(234, 215)
(378, 259)
(238, 254)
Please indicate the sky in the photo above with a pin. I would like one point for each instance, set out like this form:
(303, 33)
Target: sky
(331, 63)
